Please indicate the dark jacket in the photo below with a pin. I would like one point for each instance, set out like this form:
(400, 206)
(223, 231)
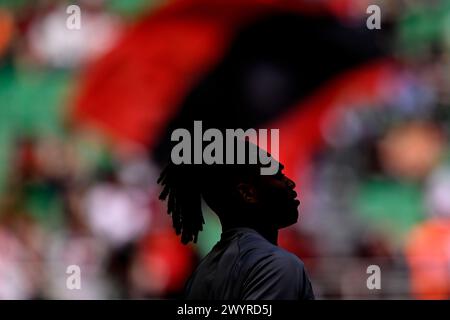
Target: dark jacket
(243, 265)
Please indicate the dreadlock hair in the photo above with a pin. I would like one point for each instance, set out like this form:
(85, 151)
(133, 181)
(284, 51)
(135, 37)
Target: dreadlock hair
(181, 189)
(184, 186)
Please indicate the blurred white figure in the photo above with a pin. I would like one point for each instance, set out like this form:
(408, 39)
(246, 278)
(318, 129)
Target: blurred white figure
(54, 44)
(118, 210)
(13, 279)
(438, 194)
(117, 214)
(20, 263)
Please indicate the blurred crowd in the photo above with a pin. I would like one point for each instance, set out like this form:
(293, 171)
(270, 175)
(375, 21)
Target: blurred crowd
(378, 191)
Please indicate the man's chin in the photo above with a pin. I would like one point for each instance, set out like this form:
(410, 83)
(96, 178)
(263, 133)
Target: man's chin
(289, 220)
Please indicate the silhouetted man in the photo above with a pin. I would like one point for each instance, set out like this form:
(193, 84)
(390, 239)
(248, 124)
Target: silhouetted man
(246, 264)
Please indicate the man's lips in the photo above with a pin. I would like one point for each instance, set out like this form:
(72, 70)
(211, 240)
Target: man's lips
(294, 198)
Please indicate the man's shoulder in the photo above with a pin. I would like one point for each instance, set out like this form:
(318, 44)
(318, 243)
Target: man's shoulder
(251, 242)
(271, 273)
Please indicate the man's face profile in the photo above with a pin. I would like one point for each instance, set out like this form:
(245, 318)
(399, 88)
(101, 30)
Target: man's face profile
(273, 197)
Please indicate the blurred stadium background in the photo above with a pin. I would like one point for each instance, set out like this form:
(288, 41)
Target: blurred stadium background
(85, 115)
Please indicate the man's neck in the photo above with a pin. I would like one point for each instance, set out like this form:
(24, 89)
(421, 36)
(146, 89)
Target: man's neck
(271, 235)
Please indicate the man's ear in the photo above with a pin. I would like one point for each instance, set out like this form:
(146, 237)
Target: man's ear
(247, 192)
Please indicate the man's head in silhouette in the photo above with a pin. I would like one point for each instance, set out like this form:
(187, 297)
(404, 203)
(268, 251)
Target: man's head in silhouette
(238, 194)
